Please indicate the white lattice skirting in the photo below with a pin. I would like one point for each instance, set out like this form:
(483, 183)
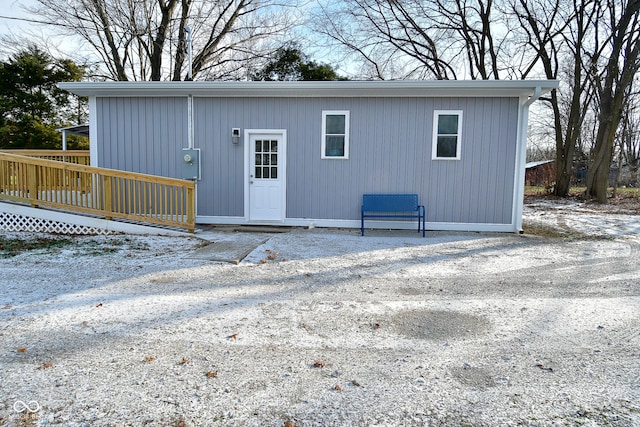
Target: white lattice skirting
(14, 222)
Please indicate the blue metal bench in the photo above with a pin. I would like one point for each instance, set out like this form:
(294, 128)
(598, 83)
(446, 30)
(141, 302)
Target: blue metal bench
(392, 206)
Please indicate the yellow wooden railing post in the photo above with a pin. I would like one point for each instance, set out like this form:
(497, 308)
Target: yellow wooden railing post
(33, 185)
(107, 195)
(191, 215)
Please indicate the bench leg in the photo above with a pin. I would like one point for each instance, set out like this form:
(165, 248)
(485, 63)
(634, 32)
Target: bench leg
(362, 225)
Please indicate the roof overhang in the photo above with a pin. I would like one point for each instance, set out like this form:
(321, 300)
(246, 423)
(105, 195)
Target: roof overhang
(378, 88)
(539, 163)
(82, 130)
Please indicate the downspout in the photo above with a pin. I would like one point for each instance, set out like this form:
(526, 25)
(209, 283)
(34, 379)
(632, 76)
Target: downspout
(190, 123)
(537, 93)
(190, 142)
(521, 159)
(94, 160)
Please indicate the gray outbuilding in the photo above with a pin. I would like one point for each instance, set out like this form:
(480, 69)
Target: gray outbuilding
(303, 153)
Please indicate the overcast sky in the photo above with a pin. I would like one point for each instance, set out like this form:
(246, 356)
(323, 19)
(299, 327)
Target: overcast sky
(15, 22)
(11, 9)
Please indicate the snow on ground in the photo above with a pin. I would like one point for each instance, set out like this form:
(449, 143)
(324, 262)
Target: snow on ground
(571, 215)
(325, 327)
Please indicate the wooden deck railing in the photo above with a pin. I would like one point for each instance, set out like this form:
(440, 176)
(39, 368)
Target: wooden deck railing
(105, 192)
(79, 157)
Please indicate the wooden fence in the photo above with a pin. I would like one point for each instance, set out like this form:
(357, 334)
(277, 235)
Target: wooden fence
(104, 192)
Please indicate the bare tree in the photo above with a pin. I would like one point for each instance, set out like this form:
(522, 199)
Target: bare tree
(555, 31)
(620, 53)
(146, 39)
(472, 23)
(439, 39)
(391, 38)
(629, 136)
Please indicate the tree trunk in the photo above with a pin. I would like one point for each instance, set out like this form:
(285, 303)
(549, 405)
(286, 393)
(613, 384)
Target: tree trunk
(564, 153)
(100, 9)
(598, 173)
(161, 35)
(613, 94)
(181, 51)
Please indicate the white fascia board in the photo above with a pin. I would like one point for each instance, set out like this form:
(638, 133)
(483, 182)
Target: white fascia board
(378, 88)
(73, 127)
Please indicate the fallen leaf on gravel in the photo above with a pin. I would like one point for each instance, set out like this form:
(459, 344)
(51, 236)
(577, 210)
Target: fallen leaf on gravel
(544, 368)
(45, 365)
(149, 359)
(183, 361)
(355, 383)
(212, 374)
(22, 350)
(376, 326)
(233, 336)
(337, 387)
(263, 261)
(289, 424)
(319, 364)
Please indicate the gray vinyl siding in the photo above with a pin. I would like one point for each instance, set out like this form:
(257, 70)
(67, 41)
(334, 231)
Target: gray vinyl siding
(389, 151)
(142, 134)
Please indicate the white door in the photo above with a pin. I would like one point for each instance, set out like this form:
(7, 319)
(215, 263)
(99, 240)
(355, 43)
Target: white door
(266, 176)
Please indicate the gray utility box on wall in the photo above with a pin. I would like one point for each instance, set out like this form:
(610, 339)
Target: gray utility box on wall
(190, 159)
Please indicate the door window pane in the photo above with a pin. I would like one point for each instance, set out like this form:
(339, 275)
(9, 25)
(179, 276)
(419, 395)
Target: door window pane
(266, 159)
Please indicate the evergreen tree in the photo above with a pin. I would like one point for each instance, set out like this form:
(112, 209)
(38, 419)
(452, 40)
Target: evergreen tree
(289, 63)
(31, 104)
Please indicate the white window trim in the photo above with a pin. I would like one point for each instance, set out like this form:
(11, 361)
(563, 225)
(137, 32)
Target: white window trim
(434, 139)
(344, 113)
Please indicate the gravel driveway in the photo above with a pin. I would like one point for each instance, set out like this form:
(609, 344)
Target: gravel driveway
(327, 328)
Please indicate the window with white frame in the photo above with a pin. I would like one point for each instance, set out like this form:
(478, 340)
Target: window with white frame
(335, 134)
(447, 133)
